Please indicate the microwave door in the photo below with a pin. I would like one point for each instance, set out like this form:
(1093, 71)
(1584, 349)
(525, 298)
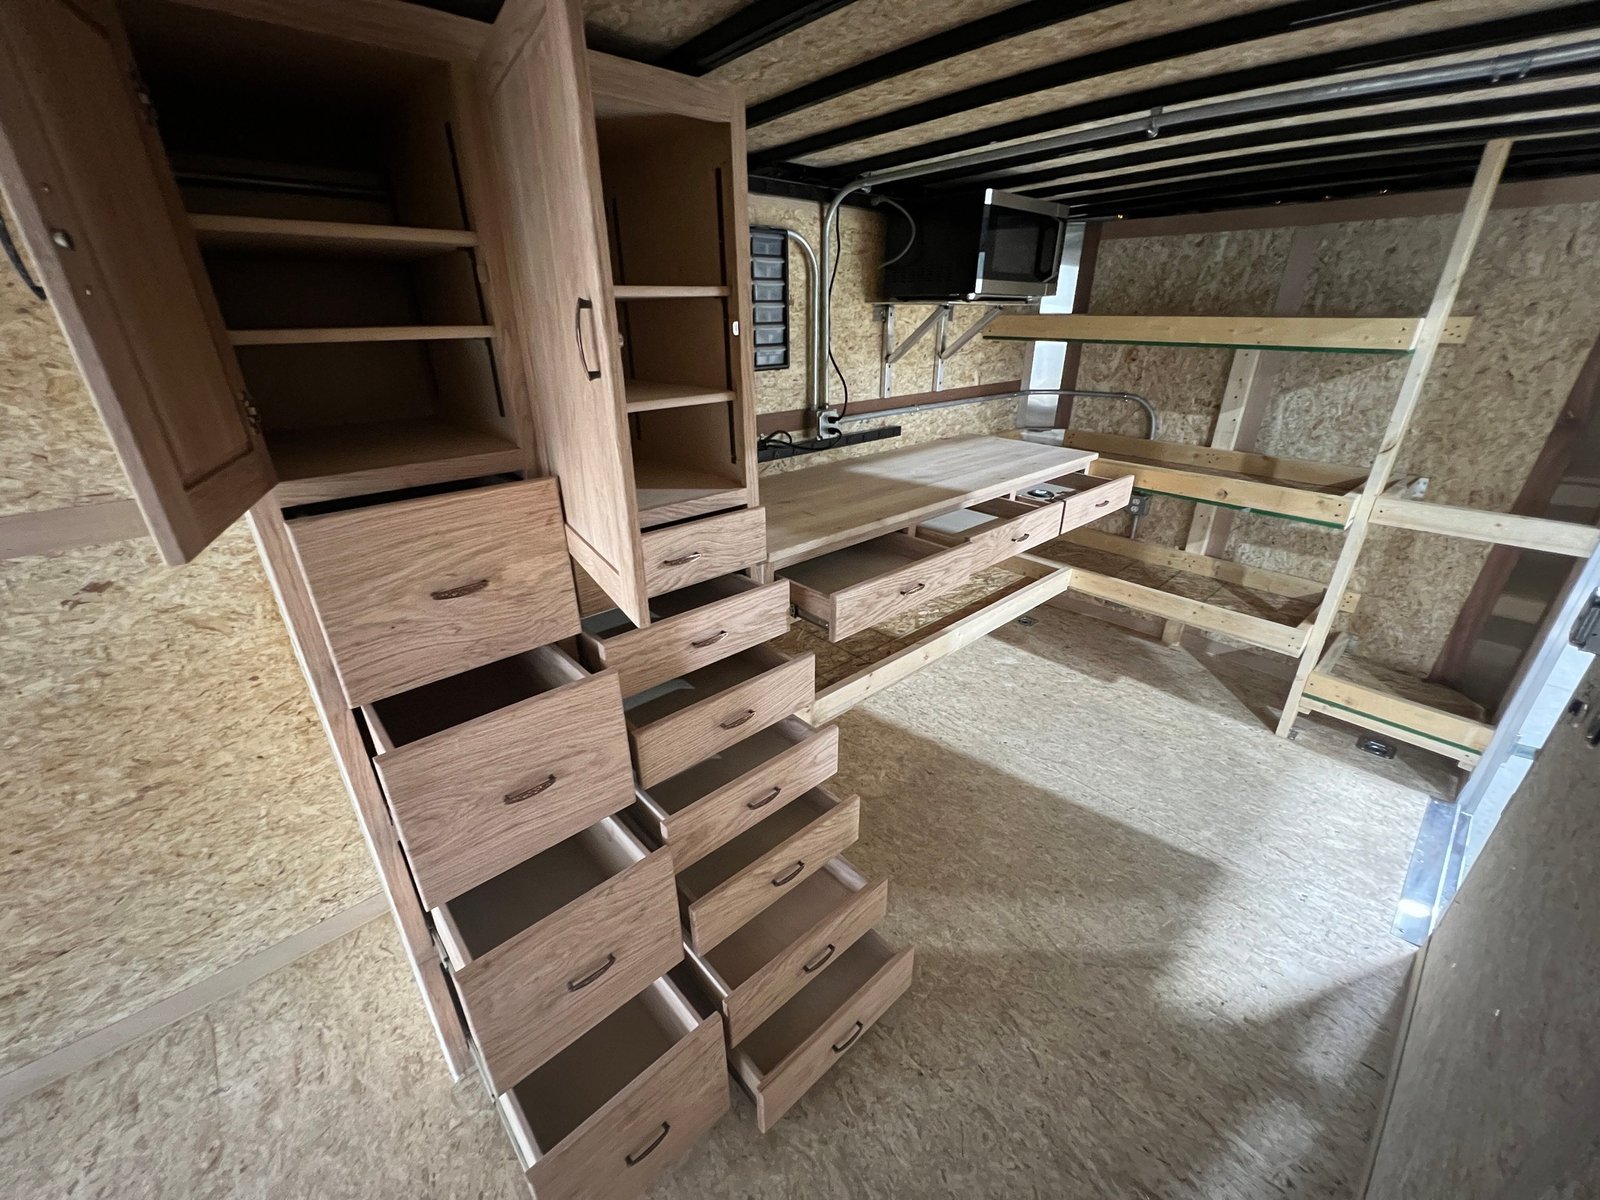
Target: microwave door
(1018, 253)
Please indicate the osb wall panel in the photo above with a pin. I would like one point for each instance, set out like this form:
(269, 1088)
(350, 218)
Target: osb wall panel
(1354, 32)
(643, 30)
(1480, 423)
(858, 339)
(171, 806)
(54, 451)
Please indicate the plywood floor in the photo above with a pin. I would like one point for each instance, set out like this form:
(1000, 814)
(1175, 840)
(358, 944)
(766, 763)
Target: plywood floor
(1153, 962)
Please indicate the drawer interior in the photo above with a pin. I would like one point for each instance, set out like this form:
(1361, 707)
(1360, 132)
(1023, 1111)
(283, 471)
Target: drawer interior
(670, 604)
(434, 707)
(1063, 488)
(861, 563)
(494, 912)
(967, 523)
(723, 863)
(777, 927)
(677, 694)
(781, 1034)
(685, 788)
(574, 1085)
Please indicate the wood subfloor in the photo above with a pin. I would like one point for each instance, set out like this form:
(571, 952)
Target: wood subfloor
(1153, 962)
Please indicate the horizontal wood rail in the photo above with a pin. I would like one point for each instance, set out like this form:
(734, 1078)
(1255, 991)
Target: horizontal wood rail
(229, 231)
(1406, 720)
(1298, 472)
(1505, 529)
(1252, 630)
(362, 333)
(1227, 491)
(1352, 335)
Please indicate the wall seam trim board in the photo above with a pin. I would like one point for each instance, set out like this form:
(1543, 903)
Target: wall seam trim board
(74, 1056)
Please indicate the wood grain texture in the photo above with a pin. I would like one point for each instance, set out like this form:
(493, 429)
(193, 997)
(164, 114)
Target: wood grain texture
(835, 1021)
(665, 745)
(1098, 498)
(685, 1091)
(1371, 335)
(929, 573)
(538, 110)
(100, 213)
(1255, 631)
(694, 829)
(793, 964)
(451, 792)
(518, 997)
(816, 509)
(623, 87)
(697, 550)
(714, 915)
(1375, 708)
(54, 529)
(687, 641)
(1477, 525)
(389, 24)
(1294, 471)
(1248, 494)
(391, 584)
(338, 462)
(238, 231)
(293, 593)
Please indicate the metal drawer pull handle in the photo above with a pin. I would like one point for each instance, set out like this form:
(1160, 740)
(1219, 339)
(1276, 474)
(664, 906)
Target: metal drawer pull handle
(1022, 537)
(466, 589)
(710, 641)
(765, 800)
(639, 1156)
(841, 1047)
(915, 587)
(585, 305)
(1102, 503)
(678, 562)
(577, 985)
(528, 793)
(789, 875)
(735, 722)
(818, 963)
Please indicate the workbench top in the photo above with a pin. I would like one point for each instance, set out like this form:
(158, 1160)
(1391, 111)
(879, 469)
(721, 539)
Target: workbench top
(817, 509)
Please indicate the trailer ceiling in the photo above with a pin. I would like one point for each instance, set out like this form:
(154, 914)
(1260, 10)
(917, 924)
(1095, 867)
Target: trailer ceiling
(839, 88)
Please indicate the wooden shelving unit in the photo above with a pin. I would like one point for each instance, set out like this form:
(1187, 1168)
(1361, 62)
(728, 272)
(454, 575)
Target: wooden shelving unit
(643, 396)
(354, 460)
(366, 333)
(291, 235)
(1295, 617)
(645, 291)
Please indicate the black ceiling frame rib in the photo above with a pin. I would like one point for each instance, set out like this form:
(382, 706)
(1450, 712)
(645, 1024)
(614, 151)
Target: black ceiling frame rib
(974, 35)
(1180, 43)
(1577, 17)
(1291, 139)
(1133, 149)
(1551, 156)
(751, 27)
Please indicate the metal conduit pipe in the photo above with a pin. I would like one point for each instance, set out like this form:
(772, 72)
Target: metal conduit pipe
(816, 374)
(1505, 66)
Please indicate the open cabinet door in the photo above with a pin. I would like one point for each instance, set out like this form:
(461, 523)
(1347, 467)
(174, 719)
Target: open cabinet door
(1497, 1088)
(535, 89)
(85, 174)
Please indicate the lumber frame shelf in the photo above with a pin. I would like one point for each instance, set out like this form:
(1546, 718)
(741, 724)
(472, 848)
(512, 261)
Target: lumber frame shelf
(233, 232)
(1334, 335)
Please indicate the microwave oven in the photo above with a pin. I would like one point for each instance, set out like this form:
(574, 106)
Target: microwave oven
(977, 245)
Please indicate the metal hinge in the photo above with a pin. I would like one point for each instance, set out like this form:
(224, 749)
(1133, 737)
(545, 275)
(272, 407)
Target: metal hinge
(251, 413)
(1586, 629)
(145, 102)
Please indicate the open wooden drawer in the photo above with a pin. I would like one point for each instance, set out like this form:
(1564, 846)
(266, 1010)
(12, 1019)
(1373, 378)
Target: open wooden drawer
(755, 971)
(689, 628)
(756, 869)
(697, 810)
(690, 718)
(543, 952)
(486, 768)
(794, 1048)
(1082, 498)
(603, 1119)
(677, 555)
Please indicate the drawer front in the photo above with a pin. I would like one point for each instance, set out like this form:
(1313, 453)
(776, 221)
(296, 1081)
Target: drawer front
(533, 995)
(728, 906)
(677, 645)
(699, 550)
(663, 748)
(722, 815)
(1100, 498)
(622, 1149)
(765, 992)
(477, 799)
(408, 593)
(1029, 529)
(777, 1092)
(876, 600)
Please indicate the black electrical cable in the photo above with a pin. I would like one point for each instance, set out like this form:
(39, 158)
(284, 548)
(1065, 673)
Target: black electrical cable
(910, 241)
(838, 246)
(16, 260)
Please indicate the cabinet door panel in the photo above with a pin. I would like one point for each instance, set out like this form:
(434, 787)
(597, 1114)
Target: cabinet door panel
(536, 95)
(86, 176)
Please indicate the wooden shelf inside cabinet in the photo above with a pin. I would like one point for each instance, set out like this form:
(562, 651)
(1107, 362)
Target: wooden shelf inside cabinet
(1393, 704)
(353, 460)
(369, 333)
(267, 234)
(646, 396)
(673, 492)
(1337, 335)
(646, 291)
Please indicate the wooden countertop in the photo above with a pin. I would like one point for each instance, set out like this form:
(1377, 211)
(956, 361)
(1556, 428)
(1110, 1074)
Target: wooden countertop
(817, 509)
